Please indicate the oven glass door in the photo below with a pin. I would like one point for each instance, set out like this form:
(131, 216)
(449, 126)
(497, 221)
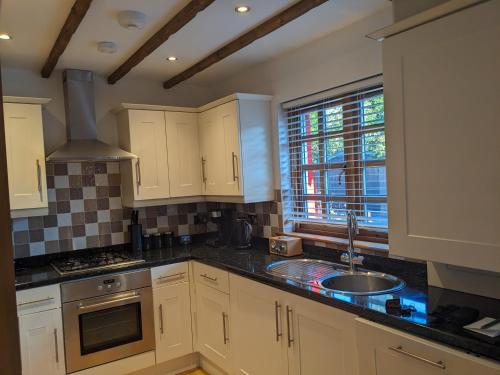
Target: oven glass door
(107, 328)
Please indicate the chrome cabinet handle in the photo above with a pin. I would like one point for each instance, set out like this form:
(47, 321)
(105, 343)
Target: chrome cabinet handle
(277, 314)
(56, 345)
(204, 275)
(36, 301)
(180, 274)
(39, 178)
(399, 349)
(161, 318)
(203, 175)
(289, 312)
(138, 174)
(234, 158)
(226, 338)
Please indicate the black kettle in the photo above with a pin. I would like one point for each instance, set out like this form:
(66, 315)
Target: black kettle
(242, 234)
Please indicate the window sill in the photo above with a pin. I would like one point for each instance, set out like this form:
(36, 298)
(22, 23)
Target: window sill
(341, 243)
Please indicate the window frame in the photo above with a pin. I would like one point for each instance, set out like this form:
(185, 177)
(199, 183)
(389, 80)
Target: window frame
(354, 166)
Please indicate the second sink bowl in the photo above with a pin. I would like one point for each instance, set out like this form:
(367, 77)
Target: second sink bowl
(362, 283)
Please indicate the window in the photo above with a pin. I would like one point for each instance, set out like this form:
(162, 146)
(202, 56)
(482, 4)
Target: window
(337, 161)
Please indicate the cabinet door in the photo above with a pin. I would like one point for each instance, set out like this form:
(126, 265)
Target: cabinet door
(213, 326)
(441, 113)
(259, 346)
(149, 142)
(25, 156)
(42, 347)
(172, 322)
(385, 351)
(211, 152)
(229, 121)
(183, 154)
(322, 339)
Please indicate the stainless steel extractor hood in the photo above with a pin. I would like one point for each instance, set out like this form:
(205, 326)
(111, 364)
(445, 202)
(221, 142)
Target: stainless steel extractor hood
(81, 123)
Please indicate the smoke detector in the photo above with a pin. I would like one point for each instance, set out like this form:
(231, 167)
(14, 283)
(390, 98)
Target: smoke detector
(106, 47)
(132, 19)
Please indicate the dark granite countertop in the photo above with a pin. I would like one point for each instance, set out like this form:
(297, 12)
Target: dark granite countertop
(252, 263)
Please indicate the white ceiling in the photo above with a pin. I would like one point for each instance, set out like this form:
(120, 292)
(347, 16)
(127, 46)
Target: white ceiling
(34, 26)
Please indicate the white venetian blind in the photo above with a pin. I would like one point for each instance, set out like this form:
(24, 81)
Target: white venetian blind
(337, 157)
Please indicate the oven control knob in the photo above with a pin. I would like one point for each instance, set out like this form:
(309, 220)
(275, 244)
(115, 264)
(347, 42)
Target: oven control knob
(118, 284)
(109, 286)
(99, 287)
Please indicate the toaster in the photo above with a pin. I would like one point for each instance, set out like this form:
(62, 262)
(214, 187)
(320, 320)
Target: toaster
(286, 246)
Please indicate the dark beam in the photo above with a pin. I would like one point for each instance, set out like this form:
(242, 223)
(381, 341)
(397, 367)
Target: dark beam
(249, 37)
(75, 16)
(185, 15)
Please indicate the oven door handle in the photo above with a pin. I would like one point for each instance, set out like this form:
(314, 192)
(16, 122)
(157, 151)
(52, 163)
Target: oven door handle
(135, 296)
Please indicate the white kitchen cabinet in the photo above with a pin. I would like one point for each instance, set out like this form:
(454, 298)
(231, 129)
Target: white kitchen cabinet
(143, 133)
(236, 150)
(386, 351)
(172, 311)
(172, 322)
(280, 333)
(41, 331)
(183, 154)
(257, 327)
(212, 326)
(441, 117)
(323, 339)
(25, 157)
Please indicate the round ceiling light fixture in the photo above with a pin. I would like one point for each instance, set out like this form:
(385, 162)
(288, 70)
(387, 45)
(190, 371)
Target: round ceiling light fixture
(172, 58)
(132, 19)
(106, 47)
(5, 37)
(242, 9)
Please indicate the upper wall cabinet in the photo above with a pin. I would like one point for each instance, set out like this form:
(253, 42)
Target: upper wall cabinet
(441, 87)
(143, 133)
(236, 149)
(183, 154)
(25, 156)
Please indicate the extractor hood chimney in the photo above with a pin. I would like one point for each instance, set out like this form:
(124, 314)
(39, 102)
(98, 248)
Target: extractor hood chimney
(81, 128)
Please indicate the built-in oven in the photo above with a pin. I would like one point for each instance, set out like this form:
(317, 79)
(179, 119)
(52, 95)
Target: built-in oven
(107, 318)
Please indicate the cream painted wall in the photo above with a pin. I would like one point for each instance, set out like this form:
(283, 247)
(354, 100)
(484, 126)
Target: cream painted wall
(344, 56)
(22, 82)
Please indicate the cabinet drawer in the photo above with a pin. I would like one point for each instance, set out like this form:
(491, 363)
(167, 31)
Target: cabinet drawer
(212, 277)
(38, 299)
(169, 274)
(387, 349)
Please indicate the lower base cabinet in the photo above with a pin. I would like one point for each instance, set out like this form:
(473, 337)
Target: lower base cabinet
(279, 333)
(173, 321)
(213, 334)
(385, 351)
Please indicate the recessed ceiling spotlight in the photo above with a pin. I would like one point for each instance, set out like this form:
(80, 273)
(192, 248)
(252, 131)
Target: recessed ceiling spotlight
(106, 47)
(242, 9)
(132, 19)
(5, 37)
(172, 58)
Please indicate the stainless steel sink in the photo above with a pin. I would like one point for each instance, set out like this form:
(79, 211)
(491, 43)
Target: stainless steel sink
(362, 283)
(334, 277)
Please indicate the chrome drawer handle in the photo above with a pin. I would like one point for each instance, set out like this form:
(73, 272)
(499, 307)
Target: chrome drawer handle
(180, 274)
(399, 349)
(37, 301)
(213, 279)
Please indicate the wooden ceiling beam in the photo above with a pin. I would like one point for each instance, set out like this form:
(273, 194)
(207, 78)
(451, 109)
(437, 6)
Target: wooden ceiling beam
(78, 11)
(185, 15)
(249, 37)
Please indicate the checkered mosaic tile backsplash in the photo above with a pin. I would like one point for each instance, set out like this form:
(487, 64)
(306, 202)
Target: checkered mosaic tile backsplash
(85, 211)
